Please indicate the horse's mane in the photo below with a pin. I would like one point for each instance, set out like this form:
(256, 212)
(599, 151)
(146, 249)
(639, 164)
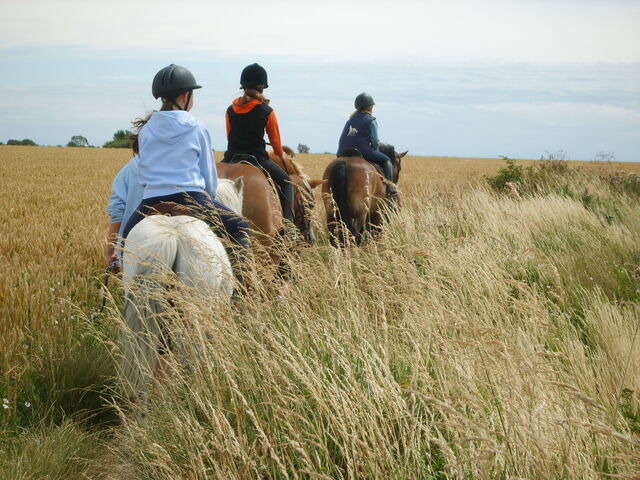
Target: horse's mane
(295, 166)
(389, 150)
(231, 193)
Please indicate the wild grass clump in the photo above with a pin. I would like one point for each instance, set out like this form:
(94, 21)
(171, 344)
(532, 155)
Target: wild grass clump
(624, 182)
(64, 452)
(602, 193)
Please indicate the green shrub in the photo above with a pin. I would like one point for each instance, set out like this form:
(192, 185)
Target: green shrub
(512, 173)
(120, 140)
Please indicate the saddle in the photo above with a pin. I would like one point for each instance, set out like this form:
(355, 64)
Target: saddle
(350, 152)
(379, 170)
(172, 209)
(247, 159)
(243, 158)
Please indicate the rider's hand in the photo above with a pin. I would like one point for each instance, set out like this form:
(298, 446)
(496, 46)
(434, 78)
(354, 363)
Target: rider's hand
(286, 162)
(114, 267)
(111, 261)
(110, 257)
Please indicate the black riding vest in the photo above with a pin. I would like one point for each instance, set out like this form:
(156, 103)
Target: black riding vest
(247, 132)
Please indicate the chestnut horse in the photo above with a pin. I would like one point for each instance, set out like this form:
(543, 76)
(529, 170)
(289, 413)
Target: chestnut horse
(261, 206)
(354, 196)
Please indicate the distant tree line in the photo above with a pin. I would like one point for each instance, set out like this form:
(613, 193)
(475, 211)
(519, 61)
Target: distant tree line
(120, 140)
(26, 141)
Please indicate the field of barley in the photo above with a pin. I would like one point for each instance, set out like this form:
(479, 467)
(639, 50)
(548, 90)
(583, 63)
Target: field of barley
(491, 332)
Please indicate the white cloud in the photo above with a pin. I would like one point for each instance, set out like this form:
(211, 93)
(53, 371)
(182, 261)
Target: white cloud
(562, 114)
(462, 30)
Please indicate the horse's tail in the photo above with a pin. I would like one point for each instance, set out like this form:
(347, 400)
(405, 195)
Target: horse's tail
(338, 183)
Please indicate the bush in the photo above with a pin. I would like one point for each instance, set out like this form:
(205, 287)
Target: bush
(550, 173)
(511, 174)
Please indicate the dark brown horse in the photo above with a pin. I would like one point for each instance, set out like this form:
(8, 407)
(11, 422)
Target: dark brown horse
(354, 195)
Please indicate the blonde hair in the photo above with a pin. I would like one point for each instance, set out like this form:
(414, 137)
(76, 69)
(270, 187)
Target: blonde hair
(255, 94)
(368, 110)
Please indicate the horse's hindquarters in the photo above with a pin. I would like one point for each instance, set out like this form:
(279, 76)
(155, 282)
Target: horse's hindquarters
(351, 195)
(181, 245)
(162, 255)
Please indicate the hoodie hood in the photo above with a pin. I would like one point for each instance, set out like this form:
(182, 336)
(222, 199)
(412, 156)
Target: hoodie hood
(170, 126)
(239, 106)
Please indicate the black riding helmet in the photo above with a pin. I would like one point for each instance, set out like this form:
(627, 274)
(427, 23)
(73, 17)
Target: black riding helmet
(364, 100)
(253, 75)
(172, 81)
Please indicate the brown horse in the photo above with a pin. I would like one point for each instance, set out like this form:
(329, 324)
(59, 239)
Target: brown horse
(354, 195)
(261, 206)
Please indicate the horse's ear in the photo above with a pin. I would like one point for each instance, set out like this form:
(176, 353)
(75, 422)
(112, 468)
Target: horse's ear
(238, 184)
(403, 154)
(314, 183)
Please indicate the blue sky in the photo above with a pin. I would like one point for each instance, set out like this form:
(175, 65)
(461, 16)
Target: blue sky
(457, 78)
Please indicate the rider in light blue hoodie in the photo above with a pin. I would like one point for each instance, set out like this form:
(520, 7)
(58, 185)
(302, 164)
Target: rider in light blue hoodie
(176, 165)
(175, 155)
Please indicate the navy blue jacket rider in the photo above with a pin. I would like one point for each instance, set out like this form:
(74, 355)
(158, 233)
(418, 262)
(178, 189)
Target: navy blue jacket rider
(361, 132)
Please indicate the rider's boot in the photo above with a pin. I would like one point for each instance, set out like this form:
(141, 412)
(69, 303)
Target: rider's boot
(392, 191)
(287, 190)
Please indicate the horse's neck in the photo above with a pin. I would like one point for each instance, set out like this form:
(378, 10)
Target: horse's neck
(292, 166)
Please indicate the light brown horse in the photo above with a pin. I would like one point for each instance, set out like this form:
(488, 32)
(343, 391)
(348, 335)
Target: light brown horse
(261, 206)
(354, 195)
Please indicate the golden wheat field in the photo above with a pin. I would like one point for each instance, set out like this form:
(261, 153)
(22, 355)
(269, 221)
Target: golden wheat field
(487, 334)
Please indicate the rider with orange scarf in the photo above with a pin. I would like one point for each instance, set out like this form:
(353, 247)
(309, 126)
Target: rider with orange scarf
(247, 119)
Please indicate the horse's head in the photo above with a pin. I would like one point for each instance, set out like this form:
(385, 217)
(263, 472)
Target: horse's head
(396, 158)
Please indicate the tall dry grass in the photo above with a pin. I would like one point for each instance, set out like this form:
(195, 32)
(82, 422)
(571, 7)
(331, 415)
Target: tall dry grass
(457, 347)
(484, 336)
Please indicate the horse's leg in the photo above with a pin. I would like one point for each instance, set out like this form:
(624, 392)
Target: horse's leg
(139, 342)
(360, 198)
